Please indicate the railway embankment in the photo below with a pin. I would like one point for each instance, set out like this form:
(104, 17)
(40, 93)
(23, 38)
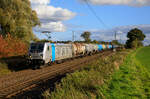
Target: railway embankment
(87, 83)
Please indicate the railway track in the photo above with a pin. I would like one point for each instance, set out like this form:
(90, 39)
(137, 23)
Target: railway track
(15, 83)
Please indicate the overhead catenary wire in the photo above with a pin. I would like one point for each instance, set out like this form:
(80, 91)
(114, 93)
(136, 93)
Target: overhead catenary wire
(98, 18)
(95, 14)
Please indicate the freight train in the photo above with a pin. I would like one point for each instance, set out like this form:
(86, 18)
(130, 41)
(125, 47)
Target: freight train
(47, 53)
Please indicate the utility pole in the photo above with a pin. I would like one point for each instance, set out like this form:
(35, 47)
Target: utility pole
(115, 35)
(73, 36)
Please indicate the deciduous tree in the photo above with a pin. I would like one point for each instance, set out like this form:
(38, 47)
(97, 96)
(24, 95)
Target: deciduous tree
(86, 36)
(17, 18)
(135, 38)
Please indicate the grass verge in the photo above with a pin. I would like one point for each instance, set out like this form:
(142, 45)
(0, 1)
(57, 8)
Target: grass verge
(132, 81)
(143, 56)
(86, 83)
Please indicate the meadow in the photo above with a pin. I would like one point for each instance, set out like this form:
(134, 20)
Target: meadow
(132, 81)
(143, 56)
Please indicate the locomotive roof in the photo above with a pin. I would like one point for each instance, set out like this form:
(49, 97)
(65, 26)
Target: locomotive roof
(49, 43)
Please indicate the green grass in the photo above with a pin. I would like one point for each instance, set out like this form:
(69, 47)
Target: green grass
(132, 81)
(86, 83)
(143, 56)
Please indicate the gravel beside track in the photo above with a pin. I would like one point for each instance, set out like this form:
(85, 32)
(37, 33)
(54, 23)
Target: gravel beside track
(18, 82)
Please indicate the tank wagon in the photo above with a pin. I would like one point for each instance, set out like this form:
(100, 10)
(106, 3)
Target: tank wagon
(47, 53)
(78, 49)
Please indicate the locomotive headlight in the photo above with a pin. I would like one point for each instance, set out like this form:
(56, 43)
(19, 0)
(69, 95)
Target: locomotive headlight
(29, 56)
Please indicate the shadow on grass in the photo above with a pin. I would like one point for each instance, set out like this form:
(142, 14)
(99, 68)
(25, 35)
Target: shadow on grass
(15, 63)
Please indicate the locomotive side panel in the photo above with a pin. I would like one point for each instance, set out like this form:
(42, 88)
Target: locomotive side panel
(47, 53)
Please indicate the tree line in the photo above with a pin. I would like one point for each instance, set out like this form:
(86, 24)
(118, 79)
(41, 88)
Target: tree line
(135, 37)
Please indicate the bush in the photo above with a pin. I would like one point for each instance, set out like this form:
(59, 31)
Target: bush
(10, 46)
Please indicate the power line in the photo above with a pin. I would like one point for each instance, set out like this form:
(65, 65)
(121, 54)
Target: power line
(93, 11)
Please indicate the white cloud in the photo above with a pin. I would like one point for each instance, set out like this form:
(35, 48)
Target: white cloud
(51, 17)
(40, 1)
(46, 12)
(144, 27)
(51, 26)
(120, 2)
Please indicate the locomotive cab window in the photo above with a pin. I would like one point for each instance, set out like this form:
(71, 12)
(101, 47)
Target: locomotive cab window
(36, 47)
(41, 47)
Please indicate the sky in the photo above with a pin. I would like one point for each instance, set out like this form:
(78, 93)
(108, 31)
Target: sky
(61, 17)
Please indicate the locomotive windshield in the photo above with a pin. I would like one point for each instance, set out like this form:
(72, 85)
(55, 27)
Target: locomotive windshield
(38, 47)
